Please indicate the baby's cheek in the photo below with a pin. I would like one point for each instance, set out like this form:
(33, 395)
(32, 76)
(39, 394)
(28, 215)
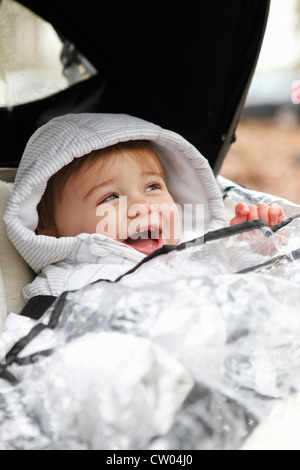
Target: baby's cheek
(106, 221)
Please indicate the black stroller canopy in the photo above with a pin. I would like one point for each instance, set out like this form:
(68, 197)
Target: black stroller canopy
(185, 66)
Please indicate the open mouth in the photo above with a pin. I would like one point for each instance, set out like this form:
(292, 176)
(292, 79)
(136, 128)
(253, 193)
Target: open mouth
(146, 241)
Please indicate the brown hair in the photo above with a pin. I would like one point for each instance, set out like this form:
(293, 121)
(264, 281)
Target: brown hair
(54, 190)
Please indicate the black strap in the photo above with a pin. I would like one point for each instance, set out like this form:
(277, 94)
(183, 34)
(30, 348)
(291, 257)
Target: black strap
(44, 301)
(37, 306)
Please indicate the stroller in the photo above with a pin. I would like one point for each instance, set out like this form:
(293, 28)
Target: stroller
(224, 370)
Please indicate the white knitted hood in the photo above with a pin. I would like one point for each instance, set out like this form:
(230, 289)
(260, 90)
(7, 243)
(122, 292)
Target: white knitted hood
(189, 176)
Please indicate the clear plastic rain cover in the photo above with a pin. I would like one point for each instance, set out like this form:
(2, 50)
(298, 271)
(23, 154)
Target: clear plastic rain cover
(191, 350)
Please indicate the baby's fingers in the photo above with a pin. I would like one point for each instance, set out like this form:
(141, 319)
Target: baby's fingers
(253, 214)
(238, 220)
(263, 213)
(276, 214)
(241, 212)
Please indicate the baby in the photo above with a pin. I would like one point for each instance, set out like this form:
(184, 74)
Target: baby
(121, 192)
(97, 193)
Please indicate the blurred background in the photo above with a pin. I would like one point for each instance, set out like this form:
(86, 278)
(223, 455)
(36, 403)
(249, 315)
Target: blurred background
(266, 154)
(35, 62)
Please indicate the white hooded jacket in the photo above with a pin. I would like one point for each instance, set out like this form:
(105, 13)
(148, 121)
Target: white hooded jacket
(68, 263)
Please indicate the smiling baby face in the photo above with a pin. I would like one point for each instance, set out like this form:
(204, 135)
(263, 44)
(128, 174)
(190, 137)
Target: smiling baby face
(119, 192)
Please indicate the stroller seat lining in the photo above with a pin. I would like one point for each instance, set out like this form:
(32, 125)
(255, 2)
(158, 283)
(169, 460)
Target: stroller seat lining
(14, 271)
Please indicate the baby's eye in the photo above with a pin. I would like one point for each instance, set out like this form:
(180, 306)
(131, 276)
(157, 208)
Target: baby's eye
(111, 197)
(152, 187)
